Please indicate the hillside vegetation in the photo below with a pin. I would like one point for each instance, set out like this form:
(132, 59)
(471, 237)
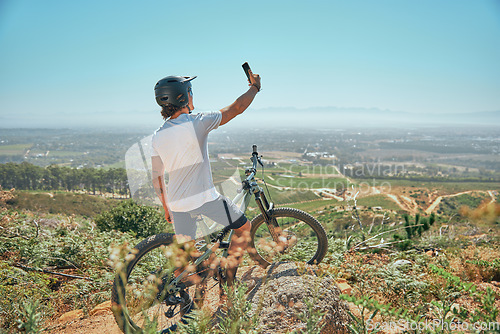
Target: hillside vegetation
(401, 266)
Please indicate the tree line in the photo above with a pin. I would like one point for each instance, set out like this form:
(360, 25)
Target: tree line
(26, 176)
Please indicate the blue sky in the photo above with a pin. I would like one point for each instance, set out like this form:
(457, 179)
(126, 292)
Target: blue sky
(65, 59)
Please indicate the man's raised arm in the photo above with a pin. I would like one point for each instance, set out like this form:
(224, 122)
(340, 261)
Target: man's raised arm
(242, 102)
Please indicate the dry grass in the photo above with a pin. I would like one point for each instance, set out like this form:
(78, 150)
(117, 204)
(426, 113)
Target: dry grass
(465, 264)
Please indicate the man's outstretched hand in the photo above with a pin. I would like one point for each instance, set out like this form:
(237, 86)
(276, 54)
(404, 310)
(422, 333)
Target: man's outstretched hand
(254, 80)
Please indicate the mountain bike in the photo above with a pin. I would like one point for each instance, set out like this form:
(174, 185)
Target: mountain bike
(150, 291)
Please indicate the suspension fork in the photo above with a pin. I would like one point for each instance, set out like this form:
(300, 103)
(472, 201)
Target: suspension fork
(266, 209)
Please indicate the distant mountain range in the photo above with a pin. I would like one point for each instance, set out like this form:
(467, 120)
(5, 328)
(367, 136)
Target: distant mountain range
(368, 117)
(321, 117)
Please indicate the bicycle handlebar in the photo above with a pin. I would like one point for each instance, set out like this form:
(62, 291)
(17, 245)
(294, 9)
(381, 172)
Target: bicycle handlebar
(255, 159)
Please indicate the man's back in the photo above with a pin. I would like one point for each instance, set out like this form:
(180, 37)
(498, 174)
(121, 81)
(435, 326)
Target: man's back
(182, 145)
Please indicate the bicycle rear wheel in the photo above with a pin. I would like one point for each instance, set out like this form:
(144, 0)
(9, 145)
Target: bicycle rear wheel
(138, 297)
(298, 236)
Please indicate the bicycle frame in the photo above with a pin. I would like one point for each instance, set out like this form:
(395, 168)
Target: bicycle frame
(249, 188)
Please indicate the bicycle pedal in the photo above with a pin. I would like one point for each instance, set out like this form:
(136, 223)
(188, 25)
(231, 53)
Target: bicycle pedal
(170, 313)
(224, 245)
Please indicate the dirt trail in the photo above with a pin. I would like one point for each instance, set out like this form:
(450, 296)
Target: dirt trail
(492, 195)
(438, 200)
(404, 202)
(410, 205)
(96, 324)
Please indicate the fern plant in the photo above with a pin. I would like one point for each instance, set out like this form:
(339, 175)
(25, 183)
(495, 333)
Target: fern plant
(236, 318)
(198, 322)
(368, 308)
(30, 318)
(487, 312)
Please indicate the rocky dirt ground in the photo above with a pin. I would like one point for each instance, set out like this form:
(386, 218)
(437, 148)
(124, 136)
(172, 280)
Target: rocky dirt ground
(284, 285)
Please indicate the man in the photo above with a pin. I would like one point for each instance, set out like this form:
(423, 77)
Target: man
(180, 147)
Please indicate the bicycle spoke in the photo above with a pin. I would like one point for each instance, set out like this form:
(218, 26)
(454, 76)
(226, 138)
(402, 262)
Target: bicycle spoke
(147, 299)
(298, 237)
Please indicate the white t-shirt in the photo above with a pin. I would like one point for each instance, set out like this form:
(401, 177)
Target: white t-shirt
(182, 145)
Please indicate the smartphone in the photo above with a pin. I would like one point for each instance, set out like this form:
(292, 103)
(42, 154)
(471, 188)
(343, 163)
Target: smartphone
(247, 70)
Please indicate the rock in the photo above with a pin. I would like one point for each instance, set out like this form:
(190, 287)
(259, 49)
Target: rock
(102, 308)
(401, 263)
(70, 316)
(354, 309)
(344, 288)
(281, 294)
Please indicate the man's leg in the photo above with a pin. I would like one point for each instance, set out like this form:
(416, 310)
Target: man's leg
(225, 212)
(185, 233)
(237, 248)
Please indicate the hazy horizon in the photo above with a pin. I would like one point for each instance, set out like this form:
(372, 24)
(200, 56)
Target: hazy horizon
(321, 117)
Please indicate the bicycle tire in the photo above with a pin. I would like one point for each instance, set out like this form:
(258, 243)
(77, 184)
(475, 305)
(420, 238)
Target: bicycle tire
(126, 315)
(299, 228)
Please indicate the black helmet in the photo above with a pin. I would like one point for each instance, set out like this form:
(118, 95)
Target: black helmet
(173, 90)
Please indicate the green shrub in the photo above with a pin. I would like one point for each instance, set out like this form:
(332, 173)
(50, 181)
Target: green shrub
(409, 230)
(405, 245)
(432, 219)
(17, 289)
(426, 226)
(129, 216)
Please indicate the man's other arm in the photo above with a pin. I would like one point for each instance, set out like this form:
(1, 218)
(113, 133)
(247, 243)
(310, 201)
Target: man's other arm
(159, 183)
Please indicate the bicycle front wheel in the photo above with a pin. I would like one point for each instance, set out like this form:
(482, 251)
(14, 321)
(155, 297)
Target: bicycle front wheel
(139, 299)
(289, 235)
